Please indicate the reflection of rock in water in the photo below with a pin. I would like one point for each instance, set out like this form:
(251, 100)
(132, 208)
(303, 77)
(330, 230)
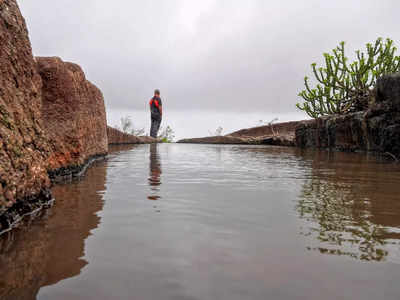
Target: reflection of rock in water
(52, 248)
(351, 206)
(115, 149)
(155, 172)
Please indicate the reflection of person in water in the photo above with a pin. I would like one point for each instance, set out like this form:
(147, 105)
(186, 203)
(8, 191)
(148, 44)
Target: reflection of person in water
(155, 172)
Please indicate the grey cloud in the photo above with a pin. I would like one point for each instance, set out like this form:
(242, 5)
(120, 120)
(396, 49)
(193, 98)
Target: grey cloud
(206, 55)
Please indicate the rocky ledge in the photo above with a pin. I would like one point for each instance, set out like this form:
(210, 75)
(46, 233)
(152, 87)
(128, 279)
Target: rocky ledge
(376, 129)
(280, 134)
(117, 137)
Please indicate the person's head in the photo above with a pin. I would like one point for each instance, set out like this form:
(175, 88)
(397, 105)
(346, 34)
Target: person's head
(157, 92)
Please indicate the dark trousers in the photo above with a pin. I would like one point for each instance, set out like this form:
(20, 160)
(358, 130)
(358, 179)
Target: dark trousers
(155, 126)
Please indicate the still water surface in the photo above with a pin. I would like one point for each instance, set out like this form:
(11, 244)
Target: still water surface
(214, 222)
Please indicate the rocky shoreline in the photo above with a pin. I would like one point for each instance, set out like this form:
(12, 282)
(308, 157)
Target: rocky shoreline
(280, 134)
(73, 171)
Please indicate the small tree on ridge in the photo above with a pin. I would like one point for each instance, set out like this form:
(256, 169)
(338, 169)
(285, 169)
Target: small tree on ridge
(344, 87)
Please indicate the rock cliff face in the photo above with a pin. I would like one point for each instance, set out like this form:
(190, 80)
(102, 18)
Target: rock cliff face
(23, 143)
(52, 120)
(377, 129)
(74, 115)
(117, 137)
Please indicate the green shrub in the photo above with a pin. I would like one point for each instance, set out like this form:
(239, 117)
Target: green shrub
(167, 135)
(343, 87)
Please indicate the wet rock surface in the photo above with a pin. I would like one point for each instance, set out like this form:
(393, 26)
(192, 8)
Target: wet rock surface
(376, 130)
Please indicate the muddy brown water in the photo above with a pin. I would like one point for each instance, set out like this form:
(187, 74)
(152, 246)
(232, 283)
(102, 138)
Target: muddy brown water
(214, 222)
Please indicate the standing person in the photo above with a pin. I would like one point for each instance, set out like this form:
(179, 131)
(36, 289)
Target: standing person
(156, 113)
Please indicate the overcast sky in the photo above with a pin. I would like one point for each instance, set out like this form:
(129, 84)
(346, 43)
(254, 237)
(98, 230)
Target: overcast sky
(241, 56)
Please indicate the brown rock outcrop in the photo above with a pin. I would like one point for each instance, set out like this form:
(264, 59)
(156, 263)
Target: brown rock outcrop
(280, 134)
(376, 130)
(117, 137)
(279, 129)
(229, 140)
(74, 115)
(23, 143)
(50, 123)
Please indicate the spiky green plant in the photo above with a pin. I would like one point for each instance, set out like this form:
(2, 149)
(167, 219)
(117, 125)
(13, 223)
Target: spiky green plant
(342, 87)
